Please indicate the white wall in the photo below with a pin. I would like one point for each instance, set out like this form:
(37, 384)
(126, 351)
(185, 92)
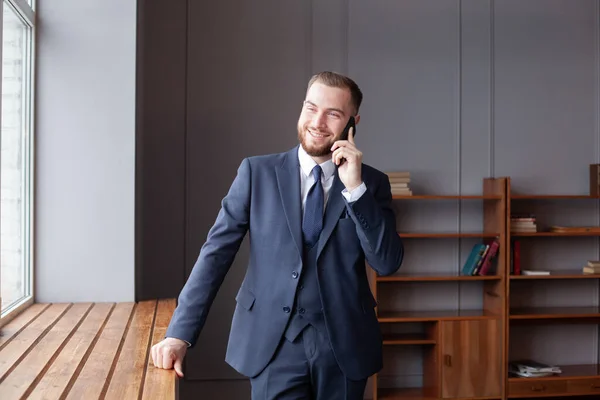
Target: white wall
(85, 150)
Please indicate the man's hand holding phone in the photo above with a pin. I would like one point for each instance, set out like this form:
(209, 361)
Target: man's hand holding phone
(349, 161)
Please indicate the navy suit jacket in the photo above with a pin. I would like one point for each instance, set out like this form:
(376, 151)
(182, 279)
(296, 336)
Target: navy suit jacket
(264, 201)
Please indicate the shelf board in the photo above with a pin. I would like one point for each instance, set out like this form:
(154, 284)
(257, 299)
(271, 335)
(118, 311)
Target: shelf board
(554, 312)
(417, 394)
(436, 277)
(446, 197)
(444, 315)
(555, 234)
(406, 339)
(564, 274)
(441, 235)
(568, 372)
(553, 197)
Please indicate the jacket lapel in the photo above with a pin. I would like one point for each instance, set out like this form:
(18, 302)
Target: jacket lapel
(335, 206)
(288, 181)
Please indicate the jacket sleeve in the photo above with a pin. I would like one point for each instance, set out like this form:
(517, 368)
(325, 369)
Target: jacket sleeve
(376, 227)
(215, 259)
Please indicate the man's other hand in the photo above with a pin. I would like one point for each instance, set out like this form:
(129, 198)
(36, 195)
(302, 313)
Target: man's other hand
(169, 353)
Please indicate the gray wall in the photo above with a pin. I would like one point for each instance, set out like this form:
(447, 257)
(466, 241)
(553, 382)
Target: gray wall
(455, 91)
(85, 151)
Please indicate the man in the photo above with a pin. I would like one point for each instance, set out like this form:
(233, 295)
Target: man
(304, 325)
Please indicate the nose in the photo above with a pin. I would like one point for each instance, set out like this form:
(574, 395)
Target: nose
(318, 120)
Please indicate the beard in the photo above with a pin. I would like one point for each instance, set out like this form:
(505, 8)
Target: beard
(313, 150)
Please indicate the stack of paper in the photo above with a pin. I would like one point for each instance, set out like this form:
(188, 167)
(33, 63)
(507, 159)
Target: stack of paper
(531, 369)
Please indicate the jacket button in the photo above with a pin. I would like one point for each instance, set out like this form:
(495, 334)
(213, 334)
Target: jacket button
(286, 309)
(294, 274)
(301, 310)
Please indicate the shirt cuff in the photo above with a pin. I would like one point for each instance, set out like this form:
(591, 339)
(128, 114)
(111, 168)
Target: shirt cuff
(355, 194)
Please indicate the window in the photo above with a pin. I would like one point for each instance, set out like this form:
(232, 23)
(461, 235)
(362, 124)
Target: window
(16, 156)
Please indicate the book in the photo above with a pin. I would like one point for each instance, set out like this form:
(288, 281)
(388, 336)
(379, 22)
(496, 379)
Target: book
(532, 272)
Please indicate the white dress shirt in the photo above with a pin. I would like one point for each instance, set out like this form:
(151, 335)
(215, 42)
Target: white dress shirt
(328, 167)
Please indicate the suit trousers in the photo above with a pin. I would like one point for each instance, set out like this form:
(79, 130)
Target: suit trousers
(305, 369)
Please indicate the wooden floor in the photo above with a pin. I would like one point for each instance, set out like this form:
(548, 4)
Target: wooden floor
(86, 351)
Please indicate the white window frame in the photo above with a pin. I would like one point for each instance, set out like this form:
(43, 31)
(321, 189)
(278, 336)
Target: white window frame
(27, 14)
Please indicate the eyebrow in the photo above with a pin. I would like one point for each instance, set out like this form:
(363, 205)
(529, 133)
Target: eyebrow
(329, 109)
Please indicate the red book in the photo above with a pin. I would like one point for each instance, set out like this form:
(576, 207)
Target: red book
(517, 257)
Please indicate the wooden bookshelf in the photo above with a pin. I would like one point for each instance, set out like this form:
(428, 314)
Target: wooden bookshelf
(554, 312)
(568, 371)
(552, 197)
(559, 274)
(418, 394)
(432, 277)
(575, 380)
(448, 197)
(554, 234)
(441, 315)
(446, 336)
(446, 235)
(450, 332)
(407, 339)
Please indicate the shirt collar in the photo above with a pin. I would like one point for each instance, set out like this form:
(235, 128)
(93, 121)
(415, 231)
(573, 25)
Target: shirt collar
(307, 164)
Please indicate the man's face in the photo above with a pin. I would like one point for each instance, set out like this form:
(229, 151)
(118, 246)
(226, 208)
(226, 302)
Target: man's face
(324, 115)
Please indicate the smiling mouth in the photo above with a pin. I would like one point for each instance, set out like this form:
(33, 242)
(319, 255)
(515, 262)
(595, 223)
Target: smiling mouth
(317, 135)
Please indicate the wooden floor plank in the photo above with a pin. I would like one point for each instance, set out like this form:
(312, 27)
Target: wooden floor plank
(127, 377)
(160, 380)
(17, 383)
(91, 380)
(56, 379)
(8, 331)
(22, 343)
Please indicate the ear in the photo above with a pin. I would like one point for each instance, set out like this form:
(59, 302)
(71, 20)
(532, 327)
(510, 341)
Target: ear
(356, 119)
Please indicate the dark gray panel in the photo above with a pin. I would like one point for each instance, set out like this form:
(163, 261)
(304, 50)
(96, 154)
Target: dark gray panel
(329, 36)
(554, 293)
(546, 343)
(225, 389)
(545, 134)
(248, 67)
(160, 148)
(402, 367)
(475, 96)
(404, 55)
(545, 94)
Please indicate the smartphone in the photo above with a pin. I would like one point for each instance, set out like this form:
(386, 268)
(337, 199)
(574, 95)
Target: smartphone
(351, 124)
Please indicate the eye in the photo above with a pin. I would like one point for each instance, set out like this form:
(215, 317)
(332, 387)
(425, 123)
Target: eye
(334, 114)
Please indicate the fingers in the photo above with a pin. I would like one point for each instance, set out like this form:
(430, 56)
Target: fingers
(345, 143)
(341, 143)
(167, 359)
(345, 153)
(178, 367)
(159, 361)
(167, 355)
(337, 156)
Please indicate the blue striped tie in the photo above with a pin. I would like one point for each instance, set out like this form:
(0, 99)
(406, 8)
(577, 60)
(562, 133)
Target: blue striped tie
(313, 210)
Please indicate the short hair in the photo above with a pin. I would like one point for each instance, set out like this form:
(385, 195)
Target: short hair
(333, 79)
